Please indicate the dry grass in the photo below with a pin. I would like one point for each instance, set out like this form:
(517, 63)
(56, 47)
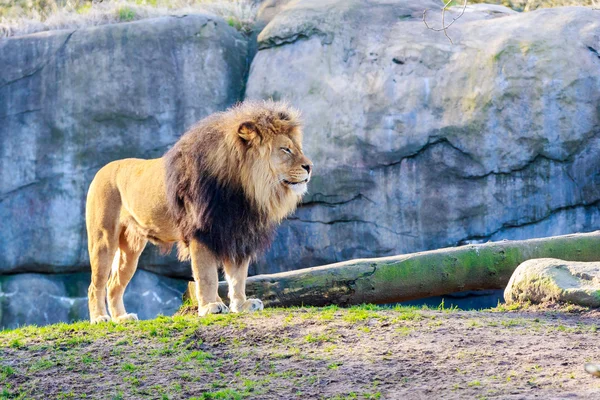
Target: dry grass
(530, 5)
(23, 17)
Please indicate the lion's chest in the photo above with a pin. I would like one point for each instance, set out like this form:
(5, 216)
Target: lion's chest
(230, 225)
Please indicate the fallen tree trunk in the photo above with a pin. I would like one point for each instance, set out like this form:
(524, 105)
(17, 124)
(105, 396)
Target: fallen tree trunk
(414, 276)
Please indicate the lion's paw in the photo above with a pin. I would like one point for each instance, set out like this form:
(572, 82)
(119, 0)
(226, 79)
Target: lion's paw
(249, 305)
(213, 308)
(100, 319)
(125, 318)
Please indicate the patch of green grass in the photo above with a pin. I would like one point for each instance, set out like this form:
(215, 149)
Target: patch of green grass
(87, 359)
(84, 8)
(473, 323)
(349, 396)
(128, 367)
(231, 319)
(196, 355)
(41, 365)
(6, 371)
(126, 14)
(411, 315)
(372, 396)
(330, 348)
(310, 338)
(118, 396)
(290, 373)
(334, 365)
(74, 340)
(123, 342)
(354, 315)
(510, 322)
(177, 387)
(225, 394)
(503, 307)
(328, 313)
(67, 395)
(442, 307)
(132, 380)
(404, 330)
(235, 23)
(288, 319)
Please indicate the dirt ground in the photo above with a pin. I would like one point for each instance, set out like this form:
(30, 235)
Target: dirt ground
(362, 353)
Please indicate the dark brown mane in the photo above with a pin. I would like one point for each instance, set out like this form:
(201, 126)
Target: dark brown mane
(210, 205)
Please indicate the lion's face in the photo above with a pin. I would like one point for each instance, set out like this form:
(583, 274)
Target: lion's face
(274, 170)
(292, 167)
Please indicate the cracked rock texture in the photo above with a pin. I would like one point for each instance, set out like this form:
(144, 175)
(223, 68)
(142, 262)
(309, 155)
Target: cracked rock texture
(550, 280)
(72, 101)
(420, 144)
(43, 299)
(417, 143)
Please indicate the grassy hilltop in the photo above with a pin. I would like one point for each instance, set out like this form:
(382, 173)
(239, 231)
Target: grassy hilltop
(364, 352)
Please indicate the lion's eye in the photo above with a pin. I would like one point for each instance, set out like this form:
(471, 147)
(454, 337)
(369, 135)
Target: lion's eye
(285, 150)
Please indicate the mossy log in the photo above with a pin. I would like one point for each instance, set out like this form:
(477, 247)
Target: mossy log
(414, 276)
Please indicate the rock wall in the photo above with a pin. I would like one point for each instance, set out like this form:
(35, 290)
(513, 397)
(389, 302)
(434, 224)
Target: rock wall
(42, 299)
(72, 101)
(419, 143)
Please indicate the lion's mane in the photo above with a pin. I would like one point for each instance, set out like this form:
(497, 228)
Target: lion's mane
(219, 192)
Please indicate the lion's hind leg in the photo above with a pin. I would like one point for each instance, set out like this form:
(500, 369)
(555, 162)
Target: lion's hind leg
(124, 266)
(102, 222)
(101, 253)
(236, 279)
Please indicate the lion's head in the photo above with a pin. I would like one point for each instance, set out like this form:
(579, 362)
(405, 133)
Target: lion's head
(276, 170)
(237, 174)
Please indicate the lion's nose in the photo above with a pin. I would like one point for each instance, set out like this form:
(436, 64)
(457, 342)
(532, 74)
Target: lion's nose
(307, 167)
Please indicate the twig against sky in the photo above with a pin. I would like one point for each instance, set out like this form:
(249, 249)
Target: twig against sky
(444, 27)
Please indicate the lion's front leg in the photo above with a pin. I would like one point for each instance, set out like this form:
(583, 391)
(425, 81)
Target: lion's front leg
(205, 270)
(236, 278)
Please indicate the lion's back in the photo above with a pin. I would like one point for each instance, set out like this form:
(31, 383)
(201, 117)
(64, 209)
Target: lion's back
(132, 187)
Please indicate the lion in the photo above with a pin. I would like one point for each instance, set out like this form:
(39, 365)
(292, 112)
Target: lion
(218, 193)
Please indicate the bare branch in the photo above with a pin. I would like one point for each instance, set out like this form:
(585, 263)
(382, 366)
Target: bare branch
(445, 27)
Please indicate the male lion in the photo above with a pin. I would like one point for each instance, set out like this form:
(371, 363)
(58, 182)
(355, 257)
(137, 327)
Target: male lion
(219, 193)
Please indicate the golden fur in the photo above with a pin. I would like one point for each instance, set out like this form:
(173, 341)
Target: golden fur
(219, 193)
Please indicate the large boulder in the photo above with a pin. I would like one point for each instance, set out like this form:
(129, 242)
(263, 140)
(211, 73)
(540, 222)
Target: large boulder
(74, 100)
(43, 299)
(419, 143)
(550, 280)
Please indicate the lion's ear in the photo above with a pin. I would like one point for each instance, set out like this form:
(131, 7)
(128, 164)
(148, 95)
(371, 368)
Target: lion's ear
(248, 131)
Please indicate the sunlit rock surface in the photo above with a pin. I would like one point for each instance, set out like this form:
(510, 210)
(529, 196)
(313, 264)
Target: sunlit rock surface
(550, 280)
(419, 143)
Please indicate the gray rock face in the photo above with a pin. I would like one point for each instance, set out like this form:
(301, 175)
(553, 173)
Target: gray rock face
(72, 101)
(43, 299)
(268, 9)
(417, 143)
(420, 144)
(551, 280)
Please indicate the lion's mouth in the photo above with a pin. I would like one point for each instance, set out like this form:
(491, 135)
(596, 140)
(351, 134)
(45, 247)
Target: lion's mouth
(289, 183)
